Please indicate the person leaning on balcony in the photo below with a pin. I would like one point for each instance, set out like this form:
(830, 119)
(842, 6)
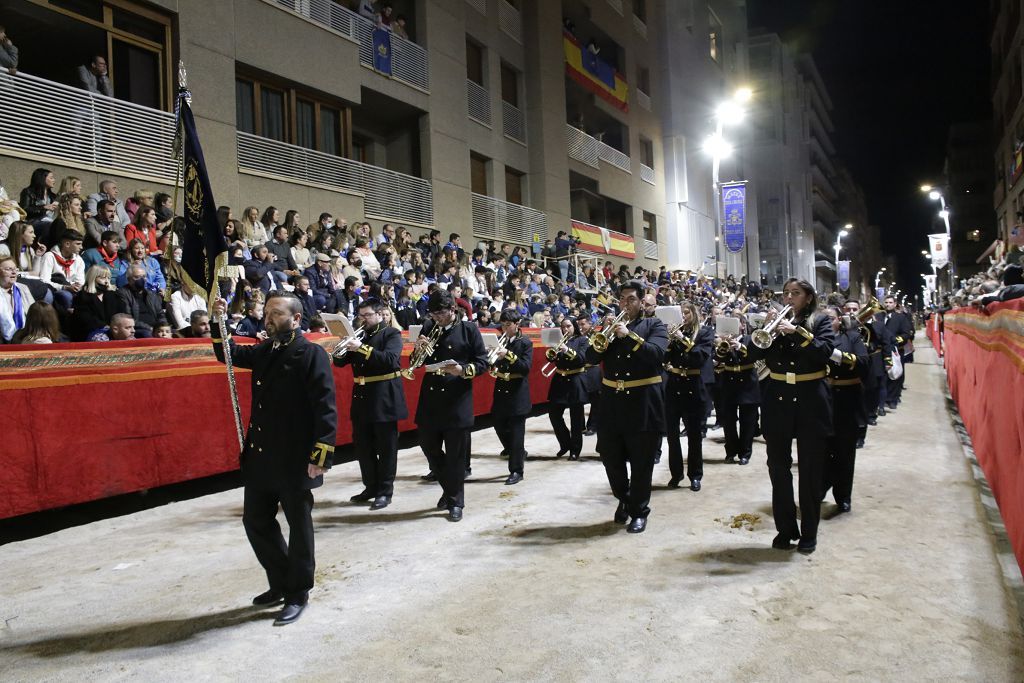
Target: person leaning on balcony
(93, 77)
(108, 190)
(8, 53)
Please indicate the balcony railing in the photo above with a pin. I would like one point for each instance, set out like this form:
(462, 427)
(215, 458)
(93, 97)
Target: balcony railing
(582, 147)
(650, 249)
(497, 219)
(640, 26)
(513, 123)
(510, 21)
(479, 5)
(387, 195)
(616, 5)
(646, 174)
(643, 99)
(44, 120)
(408, 60)
(478, 102)
(614, 157)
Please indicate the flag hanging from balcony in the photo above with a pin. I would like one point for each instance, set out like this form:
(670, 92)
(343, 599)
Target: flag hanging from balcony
(204, 249)
(382, 50)
(598, 240)
(594, 74)
(734, 214)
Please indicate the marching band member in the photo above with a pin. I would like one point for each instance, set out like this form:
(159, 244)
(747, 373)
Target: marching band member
(739, 396)
(591, 382)
(847, 365)
(797, 406)
(879, 347)
(568, 390)
(901, 328)
(444, 412)
(378, 401)
(512, 401)
(686, 395)
(632, 400)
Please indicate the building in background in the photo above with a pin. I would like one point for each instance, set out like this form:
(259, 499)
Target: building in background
(1007, 41)
(969, 190)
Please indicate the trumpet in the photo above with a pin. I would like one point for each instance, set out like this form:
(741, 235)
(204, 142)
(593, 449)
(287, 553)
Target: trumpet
(552, 353)
(864, 315)
(423, 351)
(600, 339)
(724, 345)
(340, 350)
(764, 337)
(492, 355)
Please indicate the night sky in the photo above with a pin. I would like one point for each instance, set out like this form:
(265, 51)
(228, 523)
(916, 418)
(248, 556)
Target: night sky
(899, 73)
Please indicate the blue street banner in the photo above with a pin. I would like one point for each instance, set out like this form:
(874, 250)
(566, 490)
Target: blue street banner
(734, 213)
(382, 50)
(880, 293)
(844, 274)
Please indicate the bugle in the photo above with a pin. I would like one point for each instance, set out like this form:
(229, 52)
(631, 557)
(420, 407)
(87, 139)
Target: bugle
(423, 351)
(340, 350)
(552, 353)
(600, 339)
(764, 337)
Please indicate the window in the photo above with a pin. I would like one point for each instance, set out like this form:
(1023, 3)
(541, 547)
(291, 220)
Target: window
(280, 112)
(650, 227)
(478, 173)
(714, 36)
(640, 10)
(509, 85)
(643, 80)
(646, 152)
(474, 62)
(305, 124)
(272, 121)
(513, 186)
(245, 110)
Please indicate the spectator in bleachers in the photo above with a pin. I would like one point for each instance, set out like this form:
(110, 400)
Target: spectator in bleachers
(184, 302)
(63, 269)
(254, 230)
(144, 229)
(233, 233)
(10, 212)
(95, 305)
(104, 219)
(93, 76)
(108, 190)
(15, 299)
(69, 215)
(281, 250)
(40, 203)
(164, 211)
(135, 255)
(106, 254)
(145, 306)
(252, 324)
(139, 199)
(291, 222)
(262, 271)
(347, 299)
(22, 246)
(386, 236)
(460, 301)
(321, 283)
(300, 252)
(122, 328)
(8, 53)
(308, 303)
(41, 326)
(198, 326)
(323, 227)
(71, 185)
(367, 259)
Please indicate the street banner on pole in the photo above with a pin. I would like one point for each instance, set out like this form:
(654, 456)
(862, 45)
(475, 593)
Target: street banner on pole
(843, 270)
(940, 249)
(734, 214)
(929, 282)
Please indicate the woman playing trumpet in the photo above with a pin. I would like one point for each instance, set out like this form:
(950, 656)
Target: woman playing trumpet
(511, 371)
(686, 395)
(568, 390)
(739, 395)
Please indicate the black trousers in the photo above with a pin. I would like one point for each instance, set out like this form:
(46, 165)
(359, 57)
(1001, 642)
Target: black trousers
(376, 446)
(693, 420)
(741, 443)
(569, 438)
(894, 387)
(637, 450)
(594, 418)
(811, 451)
(289, 566)
(511, 431)
(842, 455)
(447, 451)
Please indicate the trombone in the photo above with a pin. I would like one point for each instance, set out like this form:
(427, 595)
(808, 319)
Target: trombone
(601, 339)
(423, 351)
(552, 353)
(764, 337)
(340, 350)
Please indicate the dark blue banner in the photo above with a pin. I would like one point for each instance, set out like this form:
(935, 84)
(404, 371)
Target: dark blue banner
(382, 50)
(734, 214)
(843, 271)
(204, 239)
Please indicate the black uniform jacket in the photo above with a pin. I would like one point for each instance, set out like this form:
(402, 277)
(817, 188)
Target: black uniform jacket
(879, 351)
(512, 395)
(688, 392)
(801, 355)
(707, 371)
(899, 326)
(446, 401)
(571, 389)
(294, 417)
(737, 378)
(380, 354)
(638, 356)
(846, 376)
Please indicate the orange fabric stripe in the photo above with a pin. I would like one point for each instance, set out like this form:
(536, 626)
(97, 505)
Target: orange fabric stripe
(68, 380)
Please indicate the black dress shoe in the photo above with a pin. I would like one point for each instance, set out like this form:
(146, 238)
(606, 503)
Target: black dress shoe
(881, 412)
(674, 482)
(526, 455)
(860, 443)
(574, 456)
(872, 421)
(782, 541)
(744, 459)
(271, 597)
(503, 454)
(807, 545)
(730, 458)
(844, 506)
(695, 484)
(442, 503)
(467, 474)
(657, 459)
(561, 452)
(621, 516)
(589, 432)
(380, 502)
(361, 497)
(715, 426)
(637, 526)
(289, 614)
(429, 476)
(455, 514)
(513, 478)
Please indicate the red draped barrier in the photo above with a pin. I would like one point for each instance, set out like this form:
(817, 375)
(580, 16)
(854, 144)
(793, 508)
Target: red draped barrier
(81, 422)
(985, 370)
(931, 328)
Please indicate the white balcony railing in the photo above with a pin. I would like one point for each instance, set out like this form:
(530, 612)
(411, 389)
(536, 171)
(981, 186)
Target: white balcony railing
(640, 26)
(643, 99)
(479, 5)
(387, 195)
(510, 21)
(478, 102)
(582, 147)
(646, 174)
(326, 13)
(513, 123)
(614, 157)
(44, 120)
(497, 219)
(616, 5)
(650, 249)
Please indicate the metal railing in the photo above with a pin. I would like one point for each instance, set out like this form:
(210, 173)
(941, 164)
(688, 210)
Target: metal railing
(386, 194)
(640, 26)
(41, 119)
(650, 249)
(582, 147)
(643, 99)
(513, 123)
(478, 102)
(614, 157)
(497, 219)
(616, 5)
(326, 13)
(646, 174)
(479, 5)
(510, 21)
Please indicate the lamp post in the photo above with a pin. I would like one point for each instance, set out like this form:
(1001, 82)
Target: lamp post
(839, 237)
(878, 277)
(729, 112)
(936, 195)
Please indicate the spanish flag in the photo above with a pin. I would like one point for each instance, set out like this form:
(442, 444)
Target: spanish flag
(588, 70)
(596, 239)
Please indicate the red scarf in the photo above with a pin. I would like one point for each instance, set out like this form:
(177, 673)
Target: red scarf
(65, 264)
(109, 260)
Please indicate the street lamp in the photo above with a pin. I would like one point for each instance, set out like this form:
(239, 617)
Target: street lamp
(839, 237)
(878, 277)
(936, 195)
(730, 113)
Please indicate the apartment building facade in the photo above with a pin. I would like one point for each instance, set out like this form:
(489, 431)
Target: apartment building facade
(1006, 44)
